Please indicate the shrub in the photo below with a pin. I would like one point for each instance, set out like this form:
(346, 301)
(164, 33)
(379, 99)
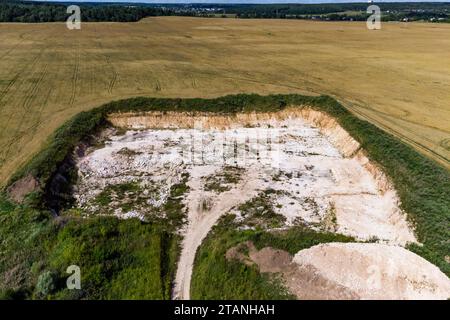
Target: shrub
(45, 284)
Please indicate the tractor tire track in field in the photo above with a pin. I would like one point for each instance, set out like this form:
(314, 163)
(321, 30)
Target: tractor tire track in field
(26, 104)
(75, 73)
(34, 88)
(403, 117)
(445, 143)
(38, 122)
(225, 74)
(8, 87)
(388, 118)
(31, 130)
(25, 67)
(29, 66)
(22, 40)
(157, 85)
(26, 107)
(194, 82)
(112, 83)
(115, 75)
(5, 91)
(396, 133)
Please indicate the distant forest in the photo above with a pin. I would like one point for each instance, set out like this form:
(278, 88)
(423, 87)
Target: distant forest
(418, 11)
(27, 11)
(32, 12)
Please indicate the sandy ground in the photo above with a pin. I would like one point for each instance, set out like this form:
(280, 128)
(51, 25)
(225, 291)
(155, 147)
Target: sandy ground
(374, 271)
(321, 177)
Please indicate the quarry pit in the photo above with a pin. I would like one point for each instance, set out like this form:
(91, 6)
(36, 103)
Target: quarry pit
(301, 161)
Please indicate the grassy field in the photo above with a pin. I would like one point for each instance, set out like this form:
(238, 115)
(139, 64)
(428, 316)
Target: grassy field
(398, 78)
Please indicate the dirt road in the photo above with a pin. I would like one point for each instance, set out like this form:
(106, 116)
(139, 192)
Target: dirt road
(201, 222)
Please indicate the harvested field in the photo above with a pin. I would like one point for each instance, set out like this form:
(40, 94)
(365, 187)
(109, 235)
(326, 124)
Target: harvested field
(296, 167)
(397, 77)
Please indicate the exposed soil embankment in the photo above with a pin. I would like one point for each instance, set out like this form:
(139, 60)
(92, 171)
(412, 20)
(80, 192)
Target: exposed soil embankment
(22, 187)
(328, 126)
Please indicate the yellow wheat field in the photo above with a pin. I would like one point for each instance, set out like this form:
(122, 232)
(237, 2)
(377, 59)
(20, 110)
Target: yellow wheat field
(397, 77)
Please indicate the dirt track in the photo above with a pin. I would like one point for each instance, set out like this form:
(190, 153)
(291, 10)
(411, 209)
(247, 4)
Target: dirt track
(200, 223)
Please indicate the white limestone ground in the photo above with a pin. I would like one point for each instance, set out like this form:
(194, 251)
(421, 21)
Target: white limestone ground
(323, 179)
(314, 179)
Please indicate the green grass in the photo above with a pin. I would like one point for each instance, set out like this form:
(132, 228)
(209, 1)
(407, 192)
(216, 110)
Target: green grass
(117, 190)
(119, 259)
(21, 247)
(174, 208)
(122, 257)
(259, 213)
(223, 181)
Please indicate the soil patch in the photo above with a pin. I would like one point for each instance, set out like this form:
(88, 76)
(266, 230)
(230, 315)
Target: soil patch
(19, 189)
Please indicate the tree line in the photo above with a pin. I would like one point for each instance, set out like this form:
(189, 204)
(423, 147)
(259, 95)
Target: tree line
(28, 11)
(46, 12)
(421, 11)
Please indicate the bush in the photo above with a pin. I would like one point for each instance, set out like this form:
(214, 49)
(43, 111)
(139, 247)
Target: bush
(45, 284)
